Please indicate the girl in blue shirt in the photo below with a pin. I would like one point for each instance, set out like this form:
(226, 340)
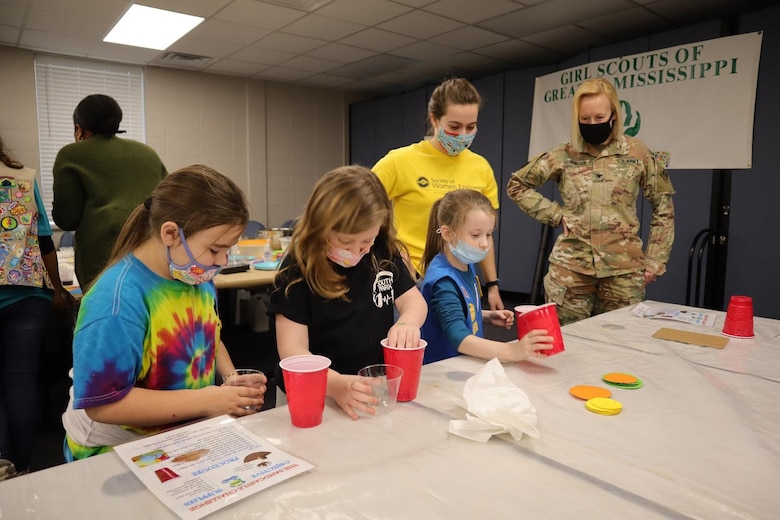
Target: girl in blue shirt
(460, 228)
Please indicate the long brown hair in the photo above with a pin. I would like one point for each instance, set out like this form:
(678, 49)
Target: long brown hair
(451, 211)
(350, 200)
(195, 197)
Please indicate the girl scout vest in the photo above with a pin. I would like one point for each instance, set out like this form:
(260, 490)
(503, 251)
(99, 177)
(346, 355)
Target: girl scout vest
(438, 346)
(20, 254)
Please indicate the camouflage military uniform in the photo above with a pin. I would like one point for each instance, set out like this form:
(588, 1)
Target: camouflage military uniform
(599, 264)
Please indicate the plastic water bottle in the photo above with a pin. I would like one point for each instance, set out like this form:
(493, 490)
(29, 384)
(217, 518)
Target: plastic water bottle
(268, 255)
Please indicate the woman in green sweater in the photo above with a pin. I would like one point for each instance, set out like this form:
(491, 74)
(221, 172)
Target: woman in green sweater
(98, 181)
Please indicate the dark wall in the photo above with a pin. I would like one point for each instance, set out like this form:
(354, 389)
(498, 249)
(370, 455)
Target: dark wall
(753, 248)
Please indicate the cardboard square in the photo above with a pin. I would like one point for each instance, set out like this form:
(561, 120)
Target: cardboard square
(693, 338)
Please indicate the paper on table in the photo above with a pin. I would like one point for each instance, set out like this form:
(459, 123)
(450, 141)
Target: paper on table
(205, 466)
(697, 318)
(496, 406)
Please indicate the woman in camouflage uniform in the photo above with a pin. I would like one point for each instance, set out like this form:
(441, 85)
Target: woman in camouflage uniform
(597, 263)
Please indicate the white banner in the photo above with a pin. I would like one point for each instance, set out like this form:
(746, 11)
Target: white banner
(692, 104)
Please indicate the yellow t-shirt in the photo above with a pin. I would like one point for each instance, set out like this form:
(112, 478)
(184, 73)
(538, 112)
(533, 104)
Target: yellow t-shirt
(418, 175)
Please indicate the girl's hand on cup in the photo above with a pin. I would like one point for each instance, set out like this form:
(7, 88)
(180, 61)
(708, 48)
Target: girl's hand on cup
(403, 335)
(501, 318)
(233, 400)
(533, 342)
(353, 393)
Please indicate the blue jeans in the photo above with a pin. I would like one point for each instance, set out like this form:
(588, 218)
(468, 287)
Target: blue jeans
(22, 327)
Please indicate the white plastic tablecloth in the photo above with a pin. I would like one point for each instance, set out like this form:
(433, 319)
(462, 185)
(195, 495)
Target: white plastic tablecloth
(698, 440)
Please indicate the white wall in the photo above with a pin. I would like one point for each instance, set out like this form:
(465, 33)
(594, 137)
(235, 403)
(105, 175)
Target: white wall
(273, 139)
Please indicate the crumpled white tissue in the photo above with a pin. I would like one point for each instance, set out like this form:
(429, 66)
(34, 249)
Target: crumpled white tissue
(495, 405)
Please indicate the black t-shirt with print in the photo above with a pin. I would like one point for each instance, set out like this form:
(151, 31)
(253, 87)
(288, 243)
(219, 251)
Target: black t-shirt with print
(348, 333)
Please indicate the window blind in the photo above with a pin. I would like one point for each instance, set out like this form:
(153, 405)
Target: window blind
(60, 84)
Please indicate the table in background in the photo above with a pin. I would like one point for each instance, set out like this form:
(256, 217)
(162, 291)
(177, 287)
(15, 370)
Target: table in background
(697, 441)
(250, 279)
(228, 286)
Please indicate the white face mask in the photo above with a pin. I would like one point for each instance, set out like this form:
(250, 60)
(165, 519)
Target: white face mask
(468, 254)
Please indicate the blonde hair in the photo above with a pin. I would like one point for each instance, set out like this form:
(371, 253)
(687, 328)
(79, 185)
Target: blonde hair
(451, 211)
(350, 200)
(594, 87)
(195, 197)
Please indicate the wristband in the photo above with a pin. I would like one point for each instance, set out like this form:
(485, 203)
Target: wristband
(494, 282)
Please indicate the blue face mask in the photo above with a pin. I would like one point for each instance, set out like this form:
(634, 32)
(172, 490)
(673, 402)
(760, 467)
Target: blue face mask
(468, 254)
(453, 144)
(193, 273)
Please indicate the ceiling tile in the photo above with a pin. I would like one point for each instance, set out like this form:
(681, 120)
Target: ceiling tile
(326, 80)
(424, 51)
(317, 26)
(67, 24)
(340, 52)
(222, 31)
(203, 47)
(469, 11)
(421, 36)
(629, 23)
(11, 15)
(689, 8)
(258, 14)
(229, 66)
(108, 11)
(472, 61)
(551, 14)
(381, 63)
(202, 8)
(68, 45)
(469, 37)
(377, 40)
(416, 3)
(419, 24)
(311, 64)
(283, 74)
(565, 39)
(289, 43)
(258, 55)
(122, 53)
(8, 34)
(366, 12)
(511, 50)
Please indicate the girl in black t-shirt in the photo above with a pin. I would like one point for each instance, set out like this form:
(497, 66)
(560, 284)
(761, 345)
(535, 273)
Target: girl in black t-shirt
(342, 278)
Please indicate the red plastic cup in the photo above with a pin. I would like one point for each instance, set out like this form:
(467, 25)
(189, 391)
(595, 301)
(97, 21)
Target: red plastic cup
(530, 317)
(305, 380)
(165, 474)
(410, 360)
(739, 318)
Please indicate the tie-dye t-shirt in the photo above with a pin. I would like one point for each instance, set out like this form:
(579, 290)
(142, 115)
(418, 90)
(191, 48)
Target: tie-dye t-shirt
(136, 329)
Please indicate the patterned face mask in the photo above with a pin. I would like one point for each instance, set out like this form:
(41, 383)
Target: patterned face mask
(193, 273)
(453, 144)
(345, 257)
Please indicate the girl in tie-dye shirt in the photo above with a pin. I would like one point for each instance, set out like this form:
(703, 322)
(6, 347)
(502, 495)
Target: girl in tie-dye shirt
(146, 348)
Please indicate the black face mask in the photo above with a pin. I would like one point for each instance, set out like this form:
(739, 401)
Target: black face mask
(597, 133)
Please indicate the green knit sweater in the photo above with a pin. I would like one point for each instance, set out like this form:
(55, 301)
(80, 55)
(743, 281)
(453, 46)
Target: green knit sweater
(98, 182)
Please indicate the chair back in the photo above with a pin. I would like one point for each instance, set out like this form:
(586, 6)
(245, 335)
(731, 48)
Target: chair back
(66, 239)
(252, 228)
